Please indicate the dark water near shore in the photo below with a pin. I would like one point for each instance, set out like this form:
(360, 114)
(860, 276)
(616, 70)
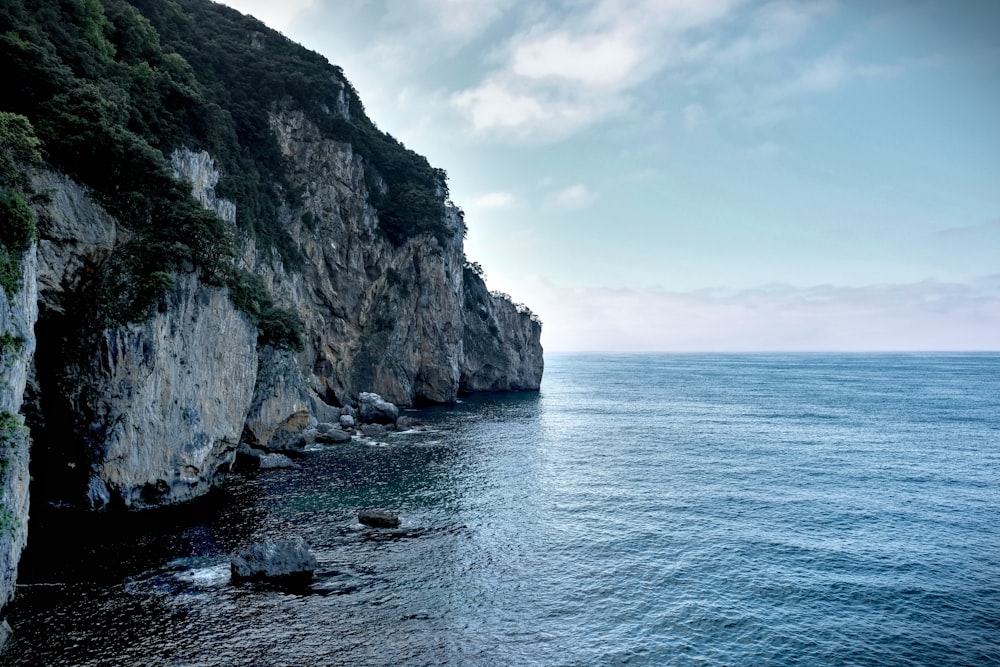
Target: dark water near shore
(641, 510)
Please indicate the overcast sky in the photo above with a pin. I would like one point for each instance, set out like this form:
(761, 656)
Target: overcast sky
(702, 174)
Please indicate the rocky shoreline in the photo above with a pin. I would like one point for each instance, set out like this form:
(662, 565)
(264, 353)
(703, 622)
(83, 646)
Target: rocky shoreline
(373, 419)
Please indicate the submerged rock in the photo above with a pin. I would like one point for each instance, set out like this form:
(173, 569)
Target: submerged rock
(374, 431)
(378, 519)
(275, 461)
(274, 559)
(405, 423)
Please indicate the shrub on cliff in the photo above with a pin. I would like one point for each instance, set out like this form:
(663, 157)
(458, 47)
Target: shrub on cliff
(18, 149)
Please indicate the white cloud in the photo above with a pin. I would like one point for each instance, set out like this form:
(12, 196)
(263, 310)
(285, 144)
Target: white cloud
(917, 316)
(493, 201)
(575, 196)
(604, 60)
(277, 15)
(572, 70)
(495, 105)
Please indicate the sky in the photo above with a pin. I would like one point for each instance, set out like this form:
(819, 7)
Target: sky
(702, 175)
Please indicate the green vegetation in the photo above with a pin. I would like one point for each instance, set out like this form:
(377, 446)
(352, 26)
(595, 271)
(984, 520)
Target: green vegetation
(102, 120)
(17, 230)
(112, 87)
(13, 435)
(8, 522)
(10, 344)
(246, 72)
(279, 327)
(18, 149)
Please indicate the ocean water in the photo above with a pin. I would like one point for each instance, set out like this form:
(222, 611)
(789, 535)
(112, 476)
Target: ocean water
(639, 510)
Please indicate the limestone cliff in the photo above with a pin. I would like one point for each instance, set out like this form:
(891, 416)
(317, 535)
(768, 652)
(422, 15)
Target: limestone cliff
(500, 349)
(161, 404)
(18, 313)
(149, 337)
(138, 414)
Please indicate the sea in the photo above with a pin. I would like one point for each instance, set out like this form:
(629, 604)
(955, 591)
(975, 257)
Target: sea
(649, 509)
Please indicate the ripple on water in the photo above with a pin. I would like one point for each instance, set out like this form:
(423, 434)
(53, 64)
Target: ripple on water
(642, 510)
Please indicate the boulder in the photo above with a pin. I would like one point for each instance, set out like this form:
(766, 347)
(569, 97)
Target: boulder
(378, 519)
(372, 409)
(329, 434)
(251, 458)
(346, 421)
(274, 559)
(288, 441)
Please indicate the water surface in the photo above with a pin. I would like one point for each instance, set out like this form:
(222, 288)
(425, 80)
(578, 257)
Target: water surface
(641, 510)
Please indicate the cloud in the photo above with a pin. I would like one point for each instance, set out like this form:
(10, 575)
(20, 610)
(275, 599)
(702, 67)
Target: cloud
(574, 69)
(493, 201)
(462, 20)
(277, 15)
(602, 60)
(575, 196)
(916, 316)
(497, 105)
(773, 27)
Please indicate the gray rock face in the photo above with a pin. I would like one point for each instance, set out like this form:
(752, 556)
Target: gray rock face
(399, 321)
(502, 348)
(163, 403)
(77, 235)
(18, 314)
(199, 170)
(158, 407)
(281, 406)
(378, 317)
(273, 559)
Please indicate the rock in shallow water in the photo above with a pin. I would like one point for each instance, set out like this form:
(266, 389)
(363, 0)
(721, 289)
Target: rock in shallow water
(374, 410)
(378, 519)
(329, 434)
(274, 559)
(274, 461)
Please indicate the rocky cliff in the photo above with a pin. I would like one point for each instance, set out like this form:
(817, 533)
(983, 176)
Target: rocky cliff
(148, 413)
(189, 300)
(18, 313)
